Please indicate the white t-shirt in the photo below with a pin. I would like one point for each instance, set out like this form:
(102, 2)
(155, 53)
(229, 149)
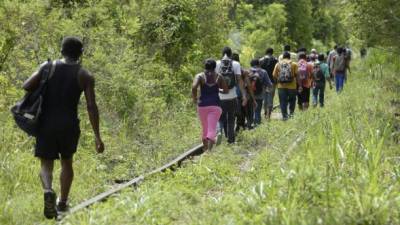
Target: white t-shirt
(232, 92)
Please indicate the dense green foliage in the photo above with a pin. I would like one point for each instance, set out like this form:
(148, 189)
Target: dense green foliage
(377, 24)
(144, 54)
(306, 23)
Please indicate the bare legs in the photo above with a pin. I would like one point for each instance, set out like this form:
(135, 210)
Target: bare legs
(46, 174)
(66, 176)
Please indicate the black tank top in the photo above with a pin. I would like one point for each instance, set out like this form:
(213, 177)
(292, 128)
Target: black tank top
(60, 106)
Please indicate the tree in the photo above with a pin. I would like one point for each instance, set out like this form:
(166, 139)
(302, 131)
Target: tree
(299, 22)
(377, 24)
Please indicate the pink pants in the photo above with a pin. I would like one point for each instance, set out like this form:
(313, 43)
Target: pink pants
(209, 116)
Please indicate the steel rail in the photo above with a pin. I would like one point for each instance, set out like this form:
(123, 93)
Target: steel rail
(196, 150)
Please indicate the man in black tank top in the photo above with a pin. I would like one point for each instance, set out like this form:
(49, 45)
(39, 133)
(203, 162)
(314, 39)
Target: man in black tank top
(59, 124)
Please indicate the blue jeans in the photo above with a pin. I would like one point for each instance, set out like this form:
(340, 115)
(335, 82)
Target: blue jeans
(287, 97)
(319, 92)
(269, 99)
(339, 81)
(257, 112)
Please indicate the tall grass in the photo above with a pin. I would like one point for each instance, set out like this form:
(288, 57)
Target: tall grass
(343, 168)
(342, 172)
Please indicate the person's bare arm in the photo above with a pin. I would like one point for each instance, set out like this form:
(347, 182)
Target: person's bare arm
(87, 83)
(250, 90)
(195, 86)
(247, 81)
(242, 89)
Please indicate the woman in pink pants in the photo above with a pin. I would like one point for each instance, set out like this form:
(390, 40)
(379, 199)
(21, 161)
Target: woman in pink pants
(209, 111)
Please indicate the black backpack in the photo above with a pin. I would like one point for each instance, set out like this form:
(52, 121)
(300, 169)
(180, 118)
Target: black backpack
(226, 70)
(318, 76)
(268, 64)
(256, 82)
(26, 112)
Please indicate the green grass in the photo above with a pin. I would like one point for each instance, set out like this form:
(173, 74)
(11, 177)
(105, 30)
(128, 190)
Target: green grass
(126, 156)
(344, 169)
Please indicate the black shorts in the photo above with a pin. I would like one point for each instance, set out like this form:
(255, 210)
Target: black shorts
(53, 145)
(304, 96)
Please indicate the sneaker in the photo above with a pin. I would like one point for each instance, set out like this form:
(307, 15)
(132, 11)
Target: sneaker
(50, 211)
(62, 206)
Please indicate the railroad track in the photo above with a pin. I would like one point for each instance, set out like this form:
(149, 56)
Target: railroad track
(194, 151)
(197, 150)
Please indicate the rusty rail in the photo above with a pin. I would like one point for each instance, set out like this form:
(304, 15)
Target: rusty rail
(196, 150)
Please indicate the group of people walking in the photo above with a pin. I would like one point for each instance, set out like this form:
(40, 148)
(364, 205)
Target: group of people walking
(231, 98)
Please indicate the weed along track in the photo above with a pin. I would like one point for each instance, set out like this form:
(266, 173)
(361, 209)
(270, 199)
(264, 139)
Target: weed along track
(195, 151)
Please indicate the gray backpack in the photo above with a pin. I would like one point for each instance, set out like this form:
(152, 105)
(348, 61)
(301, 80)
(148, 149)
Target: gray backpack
(226, 70)
(340, 63)
(285, 73)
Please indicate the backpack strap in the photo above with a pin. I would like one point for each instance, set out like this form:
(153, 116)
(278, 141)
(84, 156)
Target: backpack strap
(48, 72)
(52, 69)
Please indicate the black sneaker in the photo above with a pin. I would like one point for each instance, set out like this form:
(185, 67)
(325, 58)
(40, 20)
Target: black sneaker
(62, 206)
(50, 211)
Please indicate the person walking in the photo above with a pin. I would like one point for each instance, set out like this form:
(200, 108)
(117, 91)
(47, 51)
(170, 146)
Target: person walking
(330, 59)
(208, 105)
(244, 113)
(58, 132)
(268, 63)
(305, 80)
(348, 56)
(339, 69)
(313, 55)
(287, 48)
(231, 72)
(286, 75)
(320, 76)
(260, 82)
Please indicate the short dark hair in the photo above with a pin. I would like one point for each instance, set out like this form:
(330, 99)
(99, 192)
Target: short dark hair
(286, 55)
(227, 51)
(255, 62)
(286, 48)
(72, 47)
(302, 49)
(302, 55)
(210, 64)
(235, 57)
(335, 47)
(321, 57)
(340, 50)
(269, 51)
